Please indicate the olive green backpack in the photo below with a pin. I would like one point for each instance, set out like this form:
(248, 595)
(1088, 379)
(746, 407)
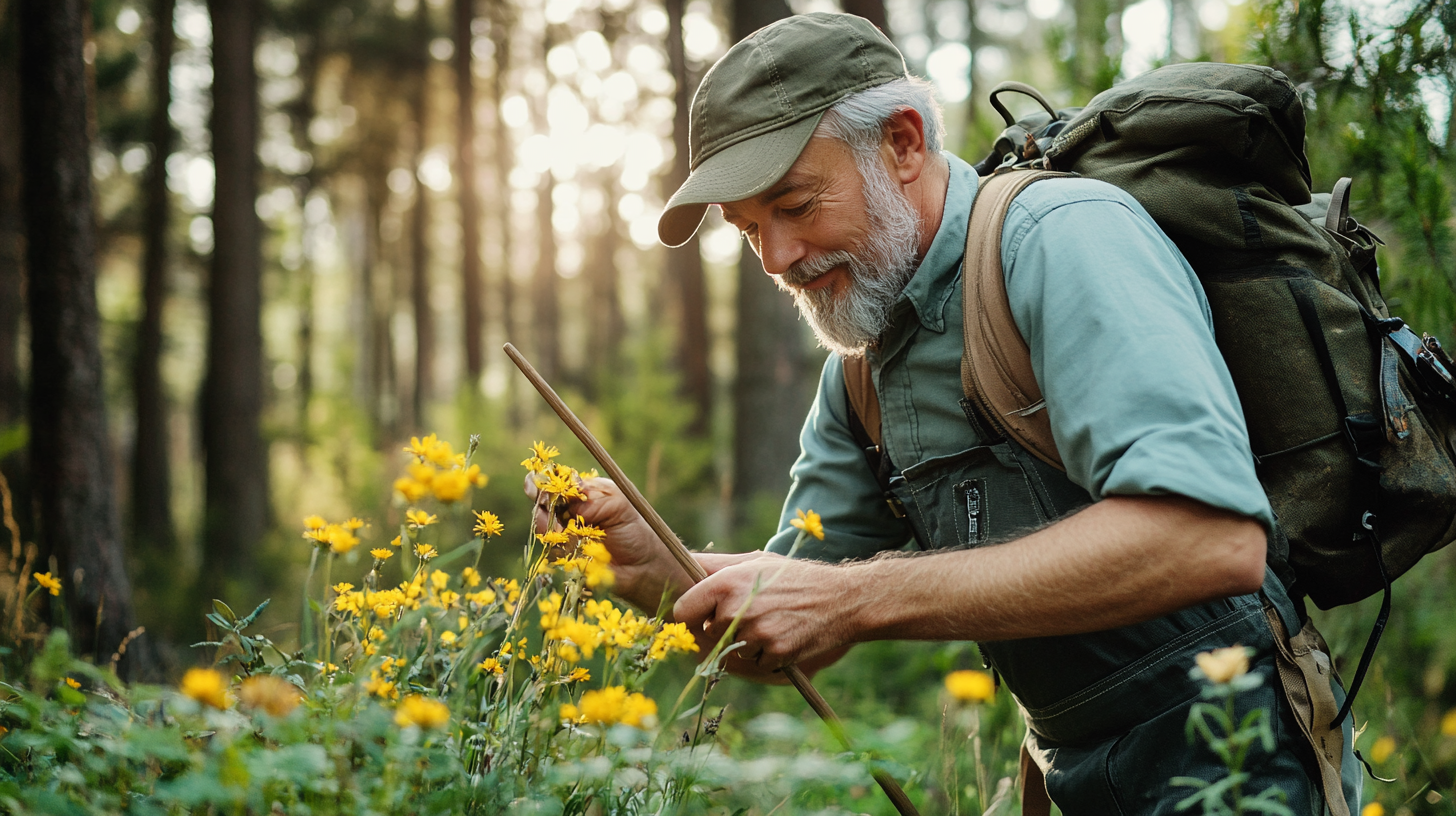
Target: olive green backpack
(1351, 415)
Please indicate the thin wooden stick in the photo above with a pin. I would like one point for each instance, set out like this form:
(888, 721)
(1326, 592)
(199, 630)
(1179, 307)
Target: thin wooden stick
(689, 564)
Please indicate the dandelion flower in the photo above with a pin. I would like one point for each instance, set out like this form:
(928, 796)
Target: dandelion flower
(609, 706)
(447, 637)
(419, 519)
(342, 588)
(382, 554)
(578, 675)
(1372, 809)
(313, 522)
(270, 693)
(470, 577)
(73, 683)
(1222, 665)
(488, 524)
(45, 579)
(476, 477)
(396, 542)
(970, 686)
(552, 537)
(810, 523)
(425, 552)
(1382, 749)
(491, 666)
(206, 686)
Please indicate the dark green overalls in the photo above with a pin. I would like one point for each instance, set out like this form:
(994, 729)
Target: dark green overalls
(1106, 711)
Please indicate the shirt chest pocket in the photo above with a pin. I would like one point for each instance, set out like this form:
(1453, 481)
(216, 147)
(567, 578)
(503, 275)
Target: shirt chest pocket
(978, 496)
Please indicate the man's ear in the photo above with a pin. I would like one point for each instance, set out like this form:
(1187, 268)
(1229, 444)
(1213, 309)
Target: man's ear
(903, 145)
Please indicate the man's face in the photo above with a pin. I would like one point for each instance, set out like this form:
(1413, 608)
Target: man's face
(839, 235)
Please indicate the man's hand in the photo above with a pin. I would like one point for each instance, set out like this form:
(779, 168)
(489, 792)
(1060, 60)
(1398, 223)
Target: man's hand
(788, 613)
(641, 562)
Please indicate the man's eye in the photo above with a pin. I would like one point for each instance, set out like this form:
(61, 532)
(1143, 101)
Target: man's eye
(795, 212)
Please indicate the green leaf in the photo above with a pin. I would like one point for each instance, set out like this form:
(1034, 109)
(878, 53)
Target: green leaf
(225, 610)
(13, 437)
(219, 621)
(456, 554)
(252, 616)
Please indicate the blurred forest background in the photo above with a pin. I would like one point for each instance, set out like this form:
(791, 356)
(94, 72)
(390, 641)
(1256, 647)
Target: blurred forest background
(289, 234)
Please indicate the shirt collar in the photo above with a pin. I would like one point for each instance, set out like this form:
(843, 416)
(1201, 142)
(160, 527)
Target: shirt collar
(932, 284)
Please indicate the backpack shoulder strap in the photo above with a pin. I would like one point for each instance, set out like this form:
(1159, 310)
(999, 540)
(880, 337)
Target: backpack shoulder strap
(864, 404)
(996, 371)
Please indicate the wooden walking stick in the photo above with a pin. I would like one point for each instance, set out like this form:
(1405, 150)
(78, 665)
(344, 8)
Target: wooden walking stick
(690, 565)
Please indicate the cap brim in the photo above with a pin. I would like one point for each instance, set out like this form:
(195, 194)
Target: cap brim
(733, 174)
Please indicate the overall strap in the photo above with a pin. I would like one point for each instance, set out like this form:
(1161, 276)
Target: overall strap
(996, 371)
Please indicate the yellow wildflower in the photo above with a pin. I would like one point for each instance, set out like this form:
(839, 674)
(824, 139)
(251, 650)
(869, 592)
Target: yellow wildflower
(810, 523)
(425, 552)
(52, 584)
(673, 637)
(206, 686)
(487, 524)
(381, 687)
(73, 683)
(341, 588)
(560, 481)
(353, 524)
(422, 447)
(609, 706)
(577, 675)
(410, 489)
(485, 597)
(450, 486)
(1372, 809)
(1448, 723)
(313, 522)
(447, 637)
(552, 538)
(1382, 749)
(491, 666)
(270, 693)
(476, 477)
(970, 686)
(439, 580)
(540, 458)
(1223, 665)
(448, 598)
(580, 529)
(381, 553)
(419, 519)
(375, 633)
(470, 577)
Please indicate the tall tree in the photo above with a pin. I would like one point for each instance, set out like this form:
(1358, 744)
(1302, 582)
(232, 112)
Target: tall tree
(501, 22)
(232, 401)
(151, 483)
(70, 456)
(419, 221)
(774, 385)
(469, 197)
(685, 263)
(12, 243)
(604, 318)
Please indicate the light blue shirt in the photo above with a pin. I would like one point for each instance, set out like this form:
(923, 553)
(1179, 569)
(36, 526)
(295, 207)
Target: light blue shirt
(1121, 339)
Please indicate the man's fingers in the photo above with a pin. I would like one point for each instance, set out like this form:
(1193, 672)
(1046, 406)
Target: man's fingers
(698, 605)
(712, 562)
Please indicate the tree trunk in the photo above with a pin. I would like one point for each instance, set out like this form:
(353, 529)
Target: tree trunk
(774, 386)
(543, 287)
(12, 270)
(685, 263)
(469, 197)
(500, 35)
(151, 481)
(419, 246)
(236, 459)
(70, 454)
(604, 330)
(872, 10)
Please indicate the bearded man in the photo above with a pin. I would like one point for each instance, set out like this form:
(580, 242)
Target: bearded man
(1090, 591)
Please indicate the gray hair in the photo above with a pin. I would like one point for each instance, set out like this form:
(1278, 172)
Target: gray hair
(859, 119)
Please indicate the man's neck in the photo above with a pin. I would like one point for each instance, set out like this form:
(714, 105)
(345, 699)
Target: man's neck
(927, 196)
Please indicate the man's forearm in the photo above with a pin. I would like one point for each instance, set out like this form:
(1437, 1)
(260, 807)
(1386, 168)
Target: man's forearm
(1121, 561)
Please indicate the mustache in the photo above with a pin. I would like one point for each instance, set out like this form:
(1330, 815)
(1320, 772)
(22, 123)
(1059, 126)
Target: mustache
(808, 269)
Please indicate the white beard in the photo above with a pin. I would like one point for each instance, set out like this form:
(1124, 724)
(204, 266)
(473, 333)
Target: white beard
(878, 270)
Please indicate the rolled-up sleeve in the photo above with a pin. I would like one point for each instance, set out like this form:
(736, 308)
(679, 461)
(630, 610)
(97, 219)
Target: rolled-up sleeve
(1121, 340)
(831, 478)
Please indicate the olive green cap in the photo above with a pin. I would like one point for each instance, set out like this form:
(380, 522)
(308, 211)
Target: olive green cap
(756, 108)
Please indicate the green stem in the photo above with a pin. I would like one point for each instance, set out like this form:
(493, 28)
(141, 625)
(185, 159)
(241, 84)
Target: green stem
(327, 642)
(307, 613)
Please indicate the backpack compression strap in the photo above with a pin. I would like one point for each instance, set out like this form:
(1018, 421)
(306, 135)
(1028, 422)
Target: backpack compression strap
(996, 369)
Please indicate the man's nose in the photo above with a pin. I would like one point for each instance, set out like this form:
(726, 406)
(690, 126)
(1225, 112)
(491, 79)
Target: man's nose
(779, 250)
